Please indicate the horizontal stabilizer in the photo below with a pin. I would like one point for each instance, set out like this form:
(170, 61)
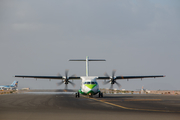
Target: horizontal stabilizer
(88, 60)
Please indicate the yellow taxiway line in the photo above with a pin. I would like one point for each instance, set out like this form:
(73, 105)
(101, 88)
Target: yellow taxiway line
(135, 100)
(128, 108)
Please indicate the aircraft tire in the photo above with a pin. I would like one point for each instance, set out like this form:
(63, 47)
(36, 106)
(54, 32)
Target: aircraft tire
(101, 94)
(78, 95)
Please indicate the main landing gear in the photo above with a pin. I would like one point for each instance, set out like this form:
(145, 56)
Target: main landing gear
(100, 94)
(77, 95)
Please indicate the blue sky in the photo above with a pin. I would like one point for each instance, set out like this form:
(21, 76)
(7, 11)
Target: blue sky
(135, 37)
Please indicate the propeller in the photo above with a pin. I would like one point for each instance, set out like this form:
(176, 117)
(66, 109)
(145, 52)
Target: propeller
(112, 80)
(66, 80)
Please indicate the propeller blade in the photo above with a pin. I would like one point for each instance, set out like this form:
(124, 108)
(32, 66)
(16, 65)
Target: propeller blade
(119, 85)
(66, 73)
(112, 79)
(106, 82)
(72, 83)
(113, 73)
(66, 86)
(105, 74)
(60, 83)
(58, 74)
(111, 86)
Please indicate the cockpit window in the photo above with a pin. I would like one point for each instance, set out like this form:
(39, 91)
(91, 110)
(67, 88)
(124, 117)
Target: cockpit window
(90, 82)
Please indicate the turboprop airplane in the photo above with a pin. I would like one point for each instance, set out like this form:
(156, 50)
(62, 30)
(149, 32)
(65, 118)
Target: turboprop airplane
(12, 86)
(89, 85)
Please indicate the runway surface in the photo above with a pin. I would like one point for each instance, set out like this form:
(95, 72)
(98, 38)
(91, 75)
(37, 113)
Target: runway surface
(51, 105)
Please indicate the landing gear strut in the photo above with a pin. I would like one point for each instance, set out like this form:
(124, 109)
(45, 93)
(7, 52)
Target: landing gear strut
(77, 95)
(100, 94)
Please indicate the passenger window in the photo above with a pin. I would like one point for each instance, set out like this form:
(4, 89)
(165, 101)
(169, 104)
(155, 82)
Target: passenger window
(88, 82)
(84, 82)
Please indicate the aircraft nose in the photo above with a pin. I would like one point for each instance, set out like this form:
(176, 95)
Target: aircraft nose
(90, 86)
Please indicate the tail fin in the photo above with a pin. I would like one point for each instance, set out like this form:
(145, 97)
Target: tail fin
(15, 83)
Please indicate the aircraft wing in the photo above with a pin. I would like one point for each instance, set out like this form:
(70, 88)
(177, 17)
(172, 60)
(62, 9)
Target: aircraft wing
(46, 77)
(136, 77)
(131, 77)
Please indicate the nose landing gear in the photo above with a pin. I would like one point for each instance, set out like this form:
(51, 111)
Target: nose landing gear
(90, 95)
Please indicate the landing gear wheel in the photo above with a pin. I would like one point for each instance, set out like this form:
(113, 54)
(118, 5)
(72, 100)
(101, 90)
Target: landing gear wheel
(100, 94)
(77, 95)
(90, 95)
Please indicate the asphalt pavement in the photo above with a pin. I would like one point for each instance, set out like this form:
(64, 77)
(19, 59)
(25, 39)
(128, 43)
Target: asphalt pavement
(60, 105)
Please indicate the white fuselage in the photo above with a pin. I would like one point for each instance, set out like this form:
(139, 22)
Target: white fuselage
(89, 85)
